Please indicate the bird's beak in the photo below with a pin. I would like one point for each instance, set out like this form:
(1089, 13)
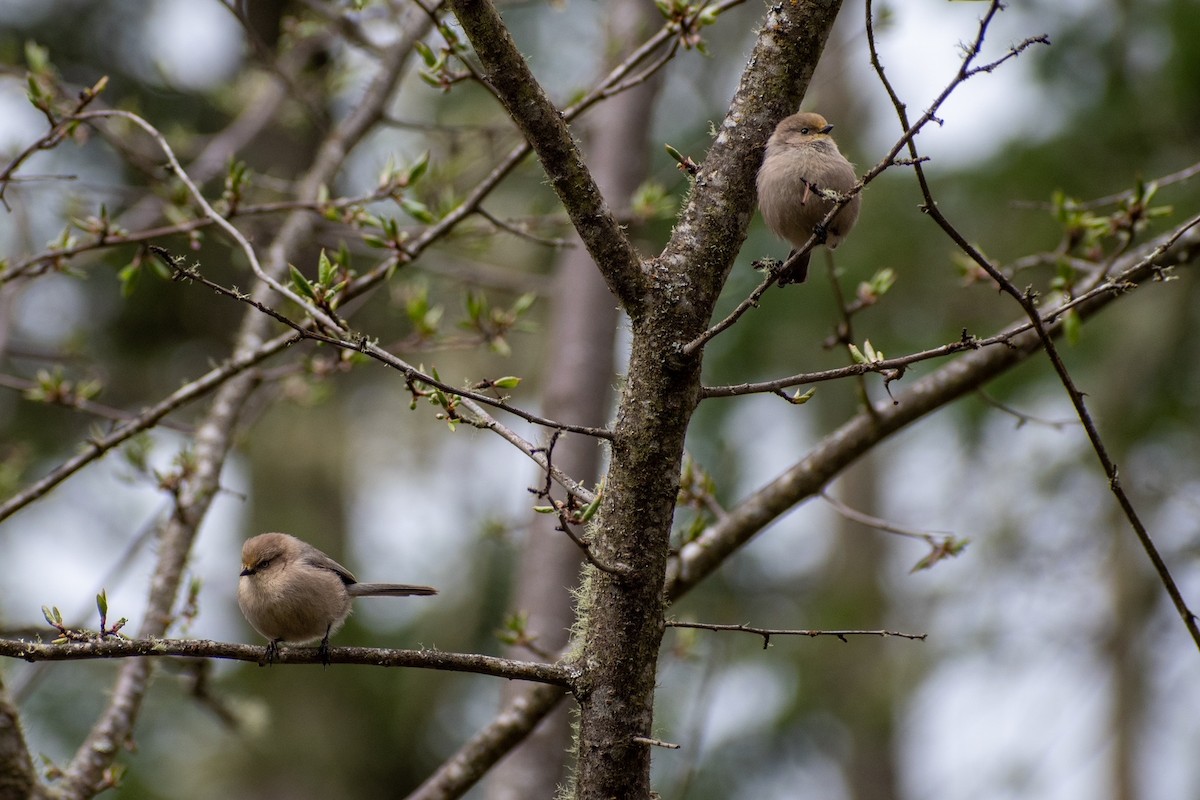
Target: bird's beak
(247, 570)
(827, 129)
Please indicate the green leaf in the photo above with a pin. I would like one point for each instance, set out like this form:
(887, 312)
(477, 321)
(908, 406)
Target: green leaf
(507, 382)
(102, 603)
(1072, 327)
(325, 270)
(37, 57)
(417, 210)
(477, 305)
(128, 276)
(300, 283)
(524, 303)
(593, 506)
(427, 55)
(500, 346)
(418, 168)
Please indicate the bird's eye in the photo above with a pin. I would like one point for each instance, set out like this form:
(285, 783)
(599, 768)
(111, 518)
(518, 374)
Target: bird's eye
(804, 130)
(263, 564)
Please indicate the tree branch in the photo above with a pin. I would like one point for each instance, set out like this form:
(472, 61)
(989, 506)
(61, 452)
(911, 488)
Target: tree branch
(545, 129)
(473, 760)
(767, 633)
(147, 648)
(702, 556)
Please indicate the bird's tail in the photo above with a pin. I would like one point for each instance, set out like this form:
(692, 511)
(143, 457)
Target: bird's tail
(388, 590)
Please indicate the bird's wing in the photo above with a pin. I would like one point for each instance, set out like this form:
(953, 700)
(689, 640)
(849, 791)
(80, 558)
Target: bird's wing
(321, 561)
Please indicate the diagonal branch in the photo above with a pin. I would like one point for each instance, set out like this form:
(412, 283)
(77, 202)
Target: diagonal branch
(543, 126)
(475, 758)
(705, 554)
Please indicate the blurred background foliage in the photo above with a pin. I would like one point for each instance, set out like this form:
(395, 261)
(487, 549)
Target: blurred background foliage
(1054, 668)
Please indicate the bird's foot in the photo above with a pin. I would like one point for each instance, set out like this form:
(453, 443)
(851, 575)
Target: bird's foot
(323, 651)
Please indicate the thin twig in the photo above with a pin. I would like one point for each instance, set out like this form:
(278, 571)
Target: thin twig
(348, 340)
(854, 515)
(1023, 417)
(210, 212)
(767, 633)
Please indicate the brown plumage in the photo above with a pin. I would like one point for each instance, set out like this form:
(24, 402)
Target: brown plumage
(290, 591)
(801, 161)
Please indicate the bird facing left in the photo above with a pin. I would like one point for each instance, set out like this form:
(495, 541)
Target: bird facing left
(289, 591)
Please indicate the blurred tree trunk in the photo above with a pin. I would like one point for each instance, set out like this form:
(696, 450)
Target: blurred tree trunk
(864, 682)
(578, 388)
(1134, 597)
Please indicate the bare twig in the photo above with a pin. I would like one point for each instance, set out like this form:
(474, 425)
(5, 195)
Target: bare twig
(652, 742)
(1023, 417)
(88, 406)
(210, 212)
(349, 340)
(767, 633)
(854, 515)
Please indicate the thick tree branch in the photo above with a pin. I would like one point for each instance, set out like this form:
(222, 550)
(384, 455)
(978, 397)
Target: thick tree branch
(18, 778)
(623, 629)
(473, 760)
(712, 227)
(544, 128)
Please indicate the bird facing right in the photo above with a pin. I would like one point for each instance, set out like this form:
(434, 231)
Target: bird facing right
(801, 161)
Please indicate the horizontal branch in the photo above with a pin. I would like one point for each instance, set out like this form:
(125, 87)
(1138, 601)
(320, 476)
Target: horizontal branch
(767, 633)
(119, 647)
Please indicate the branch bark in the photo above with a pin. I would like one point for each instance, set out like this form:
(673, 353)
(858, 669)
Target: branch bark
(17, 775)
(582, 332)
(543, 126)
(147, 648)
(669, 305)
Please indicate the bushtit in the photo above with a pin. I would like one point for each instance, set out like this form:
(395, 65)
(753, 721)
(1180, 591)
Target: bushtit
(801, 161)
(292, 592)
